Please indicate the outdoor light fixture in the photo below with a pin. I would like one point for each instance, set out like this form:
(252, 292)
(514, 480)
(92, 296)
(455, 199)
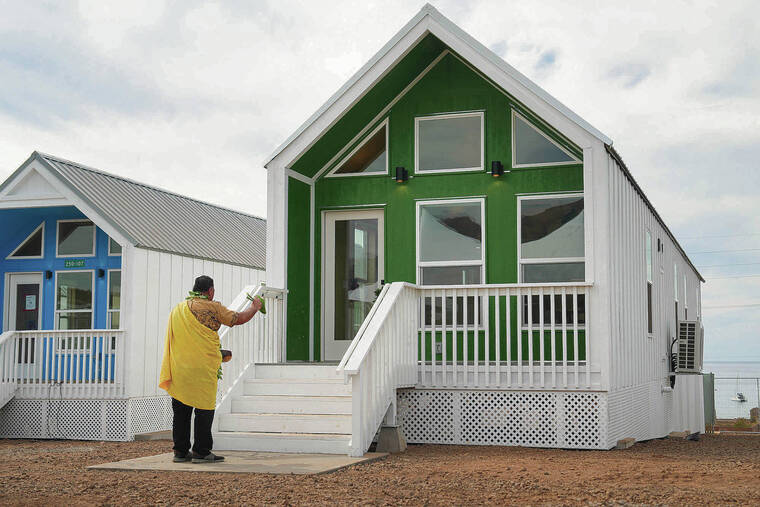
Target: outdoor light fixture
(402, 175)
(101, 273)
(48, 275)
(497, 168)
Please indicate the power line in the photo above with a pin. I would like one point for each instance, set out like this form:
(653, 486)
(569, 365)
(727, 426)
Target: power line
(724, 236)
(727, 277)
(728, 265)
(730, 306)
(726, 251)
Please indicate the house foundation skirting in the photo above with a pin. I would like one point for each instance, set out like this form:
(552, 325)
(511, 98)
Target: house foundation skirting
(571, 420)
(116, 420)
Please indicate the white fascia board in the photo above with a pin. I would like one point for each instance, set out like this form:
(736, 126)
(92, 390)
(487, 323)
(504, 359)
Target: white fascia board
(63, 187)
(429, 20)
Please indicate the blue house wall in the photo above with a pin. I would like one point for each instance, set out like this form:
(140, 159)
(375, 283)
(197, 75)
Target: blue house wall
(17, 224)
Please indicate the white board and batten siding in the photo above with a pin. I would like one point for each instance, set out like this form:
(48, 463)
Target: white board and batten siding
(638, 405)
(153, 283)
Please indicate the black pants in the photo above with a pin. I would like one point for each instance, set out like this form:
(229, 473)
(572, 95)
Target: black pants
(181, 429)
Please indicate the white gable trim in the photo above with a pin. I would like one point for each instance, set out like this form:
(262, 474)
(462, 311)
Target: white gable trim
(66, 196)
(429, 20)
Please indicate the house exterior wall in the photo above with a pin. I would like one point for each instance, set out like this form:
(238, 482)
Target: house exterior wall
(154, 282)
(448, 86)
(17, 224)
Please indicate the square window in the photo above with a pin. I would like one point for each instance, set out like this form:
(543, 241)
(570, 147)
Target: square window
(449, 143)
(76, 237)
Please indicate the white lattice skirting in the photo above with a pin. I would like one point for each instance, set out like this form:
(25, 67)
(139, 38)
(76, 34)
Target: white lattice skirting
(118, 420)
(571, 420)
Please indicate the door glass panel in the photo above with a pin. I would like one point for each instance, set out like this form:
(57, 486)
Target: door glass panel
(356, 274)
(27, 306)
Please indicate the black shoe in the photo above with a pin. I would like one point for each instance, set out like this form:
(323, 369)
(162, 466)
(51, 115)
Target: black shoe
(210, 458)
(182, 457)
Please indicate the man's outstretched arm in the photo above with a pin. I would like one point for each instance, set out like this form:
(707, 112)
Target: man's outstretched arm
(249, 312)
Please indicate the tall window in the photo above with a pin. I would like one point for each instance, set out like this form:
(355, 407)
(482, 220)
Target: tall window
(75, 238)
(114, 299)
(73, 300)
(648, 254)
(450, 251)
(449, 142)
(551, 239)
(369, 157)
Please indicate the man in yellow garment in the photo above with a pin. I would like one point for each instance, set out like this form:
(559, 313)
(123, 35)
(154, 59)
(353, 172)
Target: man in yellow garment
(189, 368)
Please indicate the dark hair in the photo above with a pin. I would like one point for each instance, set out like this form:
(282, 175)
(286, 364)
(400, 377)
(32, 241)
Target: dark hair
(203, 283)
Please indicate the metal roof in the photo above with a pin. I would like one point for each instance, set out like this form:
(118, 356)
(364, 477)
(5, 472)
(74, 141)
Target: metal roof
(156, 219)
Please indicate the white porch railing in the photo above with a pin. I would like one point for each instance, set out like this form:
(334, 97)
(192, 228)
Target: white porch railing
(7, 385)
(506, 336)
(511, 336)
(260, 341)
(382, 358)
(77, 364)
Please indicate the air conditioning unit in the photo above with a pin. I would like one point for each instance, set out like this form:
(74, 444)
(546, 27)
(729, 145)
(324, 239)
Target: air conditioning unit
(689, 347)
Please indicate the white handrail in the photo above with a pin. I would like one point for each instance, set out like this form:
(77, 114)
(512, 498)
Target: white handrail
(259, 341)
(7, 373)
(362, 329)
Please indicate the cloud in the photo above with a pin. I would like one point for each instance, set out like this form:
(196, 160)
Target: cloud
(629, 74)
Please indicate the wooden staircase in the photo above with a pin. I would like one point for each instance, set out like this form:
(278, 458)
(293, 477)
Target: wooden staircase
(303, 408)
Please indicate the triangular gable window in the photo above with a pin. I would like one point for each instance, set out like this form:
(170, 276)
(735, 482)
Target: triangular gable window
(31, 247)
(531, 147)
(370, 157)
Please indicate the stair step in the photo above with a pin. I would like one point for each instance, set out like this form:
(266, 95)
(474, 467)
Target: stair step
(297, 371)
(282, 442)
(296, 387)
(286, 423)
(284, 404)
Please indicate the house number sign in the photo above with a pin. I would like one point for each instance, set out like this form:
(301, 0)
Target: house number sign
(74, 263)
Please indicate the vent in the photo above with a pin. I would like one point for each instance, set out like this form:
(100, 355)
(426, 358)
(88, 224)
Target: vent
(689, 355)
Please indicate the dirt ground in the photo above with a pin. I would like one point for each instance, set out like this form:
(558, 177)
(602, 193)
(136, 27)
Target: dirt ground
(716, 470)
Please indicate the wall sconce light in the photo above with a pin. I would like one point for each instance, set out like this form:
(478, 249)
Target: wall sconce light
(101, 273)
(48, 275)
(402, 175)
(497, 168)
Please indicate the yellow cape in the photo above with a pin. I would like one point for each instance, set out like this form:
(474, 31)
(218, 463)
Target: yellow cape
(191, 360)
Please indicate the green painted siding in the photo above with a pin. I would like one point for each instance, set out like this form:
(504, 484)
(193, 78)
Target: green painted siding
(450, 86)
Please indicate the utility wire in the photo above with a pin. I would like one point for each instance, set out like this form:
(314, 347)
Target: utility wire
(729, 265)
(730, 306)
(725, 251)
(727, 277)
(724, 236)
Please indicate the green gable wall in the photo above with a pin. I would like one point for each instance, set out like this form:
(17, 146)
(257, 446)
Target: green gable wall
(450, 86)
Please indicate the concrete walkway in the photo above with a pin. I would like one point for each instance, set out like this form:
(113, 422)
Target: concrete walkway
(247, 462)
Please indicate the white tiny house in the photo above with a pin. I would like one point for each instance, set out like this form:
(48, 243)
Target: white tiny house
(92, 265)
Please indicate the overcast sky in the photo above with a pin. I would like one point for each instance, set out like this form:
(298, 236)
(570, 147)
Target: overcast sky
(192, 96)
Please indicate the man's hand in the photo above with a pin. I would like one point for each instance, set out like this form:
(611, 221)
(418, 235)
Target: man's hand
(249, 312)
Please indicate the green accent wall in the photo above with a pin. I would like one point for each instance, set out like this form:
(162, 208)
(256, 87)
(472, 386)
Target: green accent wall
(450, 86)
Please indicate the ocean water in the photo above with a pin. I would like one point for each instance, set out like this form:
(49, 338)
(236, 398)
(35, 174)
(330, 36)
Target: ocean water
(733, 377)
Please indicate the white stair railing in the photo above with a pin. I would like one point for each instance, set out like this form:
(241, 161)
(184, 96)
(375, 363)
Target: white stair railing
(381, 359)
(260, 341)
(7, 372)
(79, 364)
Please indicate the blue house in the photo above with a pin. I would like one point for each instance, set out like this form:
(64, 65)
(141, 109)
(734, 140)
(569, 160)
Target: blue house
(90, 266)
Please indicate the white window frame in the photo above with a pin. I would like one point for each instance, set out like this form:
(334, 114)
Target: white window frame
(545, 260)
(515, 165)
(434, 264)
(334, 174)
(92, 298)
(94, 237)
(42, 250)
(444, 116)
(110, 310)
(110, 241)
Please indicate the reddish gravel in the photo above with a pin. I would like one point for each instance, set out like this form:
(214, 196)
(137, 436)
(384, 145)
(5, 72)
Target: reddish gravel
(717, 470)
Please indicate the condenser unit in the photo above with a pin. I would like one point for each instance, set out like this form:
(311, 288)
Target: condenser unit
(689, 347)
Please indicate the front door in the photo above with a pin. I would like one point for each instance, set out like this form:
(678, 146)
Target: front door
(23, 296)
(353, 268)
